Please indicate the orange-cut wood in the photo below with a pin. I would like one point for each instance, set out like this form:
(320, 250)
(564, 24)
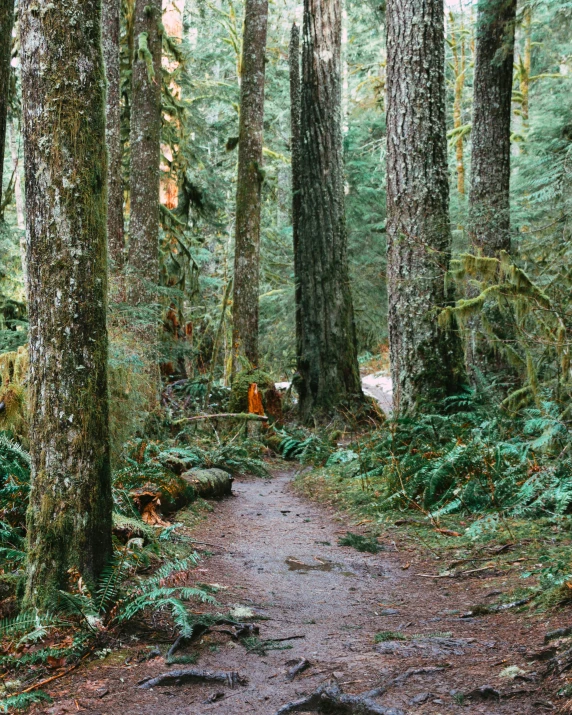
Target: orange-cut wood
(254, 400)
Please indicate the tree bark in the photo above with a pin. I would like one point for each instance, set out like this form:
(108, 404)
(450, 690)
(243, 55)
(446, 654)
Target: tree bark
(6, 25)
(145, 144)
(249, 186)
(63, 93)
(490, 162)
(328, 372)
(295, 151)
(110, 42)
(426, 362)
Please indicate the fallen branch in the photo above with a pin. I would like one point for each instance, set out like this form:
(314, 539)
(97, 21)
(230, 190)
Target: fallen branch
(298, 668)
(224, 415)
(331, 699)
(192, 675)
(486, 610)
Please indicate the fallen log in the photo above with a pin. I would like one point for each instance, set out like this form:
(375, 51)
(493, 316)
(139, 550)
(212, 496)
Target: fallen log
(209, 483)
(330, 699)
(223, 416)
(193, 675)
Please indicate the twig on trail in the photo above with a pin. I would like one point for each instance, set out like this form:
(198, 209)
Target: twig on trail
(485, 610)
(206, 543)
(287, 638)
(241, 630)
(298, 668)
(192, 675)
(331, 699)
(224, 415)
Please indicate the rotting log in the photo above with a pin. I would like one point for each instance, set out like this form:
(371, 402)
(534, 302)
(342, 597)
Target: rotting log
(209, 483)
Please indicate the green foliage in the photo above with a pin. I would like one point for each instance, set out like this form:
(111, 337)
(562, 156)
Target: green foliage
(23, 701)
(386, 636)
(361, 543)
(306, 447)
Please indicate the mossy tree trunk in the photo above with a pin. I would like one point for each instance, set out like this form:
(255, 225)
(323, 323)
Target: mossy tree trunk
(426, 362)
(63, 97)
(6, 24)
(249, 186)
(490, 161)
(145, 145)
(328, 372)
(110, 41)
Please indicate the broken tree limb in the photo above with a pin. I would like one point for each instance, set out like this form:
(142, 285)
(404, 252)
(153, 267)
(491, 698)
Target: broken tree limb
(331, 699)
(223, 415)
(193, 675)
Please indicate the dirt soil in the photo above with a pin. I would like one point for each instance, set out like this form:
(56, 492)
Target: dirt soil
(278, 555)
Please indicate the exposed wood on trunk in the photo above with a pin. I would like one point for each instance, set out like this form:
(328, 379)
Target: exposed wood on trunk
(426, 361)
(249, 187)
(327, 353)
(490, 161)
(6, 24)
(110, 43)
(63, 92)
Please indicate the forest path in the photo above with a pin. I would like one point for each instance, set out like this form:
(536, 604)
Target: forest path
(278, 555)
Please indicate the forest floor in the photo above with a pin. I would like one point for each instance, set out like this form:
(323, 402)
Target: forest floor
(275, 555)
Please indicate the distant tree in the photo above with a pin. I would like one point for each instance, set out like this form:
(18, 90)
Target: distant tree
(490, 161)
(245, 312)
(295, 151)
(6, 24)
(111, 52)
(63, 95)
(145, 147)
(426, 361)
(328, 372)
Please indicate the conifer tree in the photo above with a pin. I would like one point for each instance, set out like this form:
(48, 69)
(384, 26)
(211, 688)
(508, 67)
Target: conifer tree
(249, 185)
(145, 146)
(110, 41)
(328, 372)
(490, 161)
(63, 96)
(426, 361)
(6, 24)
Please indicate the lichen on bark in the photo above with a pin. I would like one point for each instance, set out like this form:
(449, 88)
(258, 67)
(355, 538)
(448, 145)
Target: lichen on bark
(63, 93)
(110, 42)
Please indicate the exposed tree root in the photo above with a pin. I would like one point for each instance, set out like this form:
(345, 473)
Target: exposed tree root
(193, 675)
(331, 700)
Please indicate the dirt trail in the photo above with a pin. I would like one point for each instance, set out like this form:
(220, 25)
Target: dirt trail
(282, 560)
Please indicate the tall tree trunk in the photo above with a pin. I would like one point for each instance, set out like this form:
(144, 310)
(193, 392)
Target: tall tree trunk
(249, 186)
(327, 352)
(490, 163)
(15, 155)
(69, 517)
(110, 41)
(295, 151)
(6, 24)
(426, 362)
(145, 144)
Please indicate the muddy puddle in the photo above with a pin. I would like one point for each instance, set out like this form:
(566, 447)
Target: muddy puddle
(295, 564)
